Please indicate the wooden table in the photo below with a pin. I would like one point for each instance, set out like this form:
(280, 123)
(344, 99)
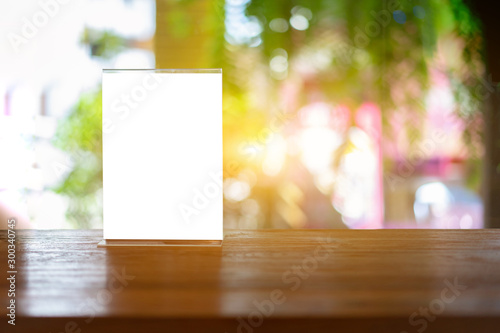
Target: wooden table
(260, 281)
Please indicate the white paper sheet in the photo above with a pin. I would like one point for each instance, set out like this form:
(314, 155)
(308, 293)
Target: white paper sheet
(162, 154)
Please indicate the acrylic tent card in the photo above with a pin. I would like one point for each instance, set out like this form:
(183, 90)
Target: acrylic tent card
(162, 156)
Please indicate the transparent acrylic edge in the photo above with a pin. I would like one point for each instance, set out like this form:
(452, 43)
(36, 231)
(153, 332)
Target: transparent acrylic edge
(167, 70)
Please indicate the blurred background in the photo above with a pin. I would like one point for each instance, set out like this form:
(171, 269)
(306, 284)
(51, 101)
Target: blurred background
(337, 114)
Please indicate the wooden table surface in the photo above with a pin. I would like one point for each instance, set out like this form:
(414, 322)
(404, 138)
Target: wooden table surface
(259, 281)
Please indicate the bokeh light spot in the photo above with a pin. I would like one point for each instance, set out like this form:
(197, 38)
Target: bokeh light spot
(236, 190)
(399, 16)
(279, 64)
(279, 25)
(299, 22)
(306, 12)
(419, 12)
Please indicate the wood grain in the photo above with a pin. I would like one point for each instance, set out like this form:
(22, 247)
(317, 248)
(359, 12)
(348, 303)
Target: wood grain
(272, 280)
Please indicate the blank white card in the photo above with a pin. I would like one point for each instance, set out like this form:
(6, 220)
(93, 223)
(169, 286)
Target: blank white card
(162, 154)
